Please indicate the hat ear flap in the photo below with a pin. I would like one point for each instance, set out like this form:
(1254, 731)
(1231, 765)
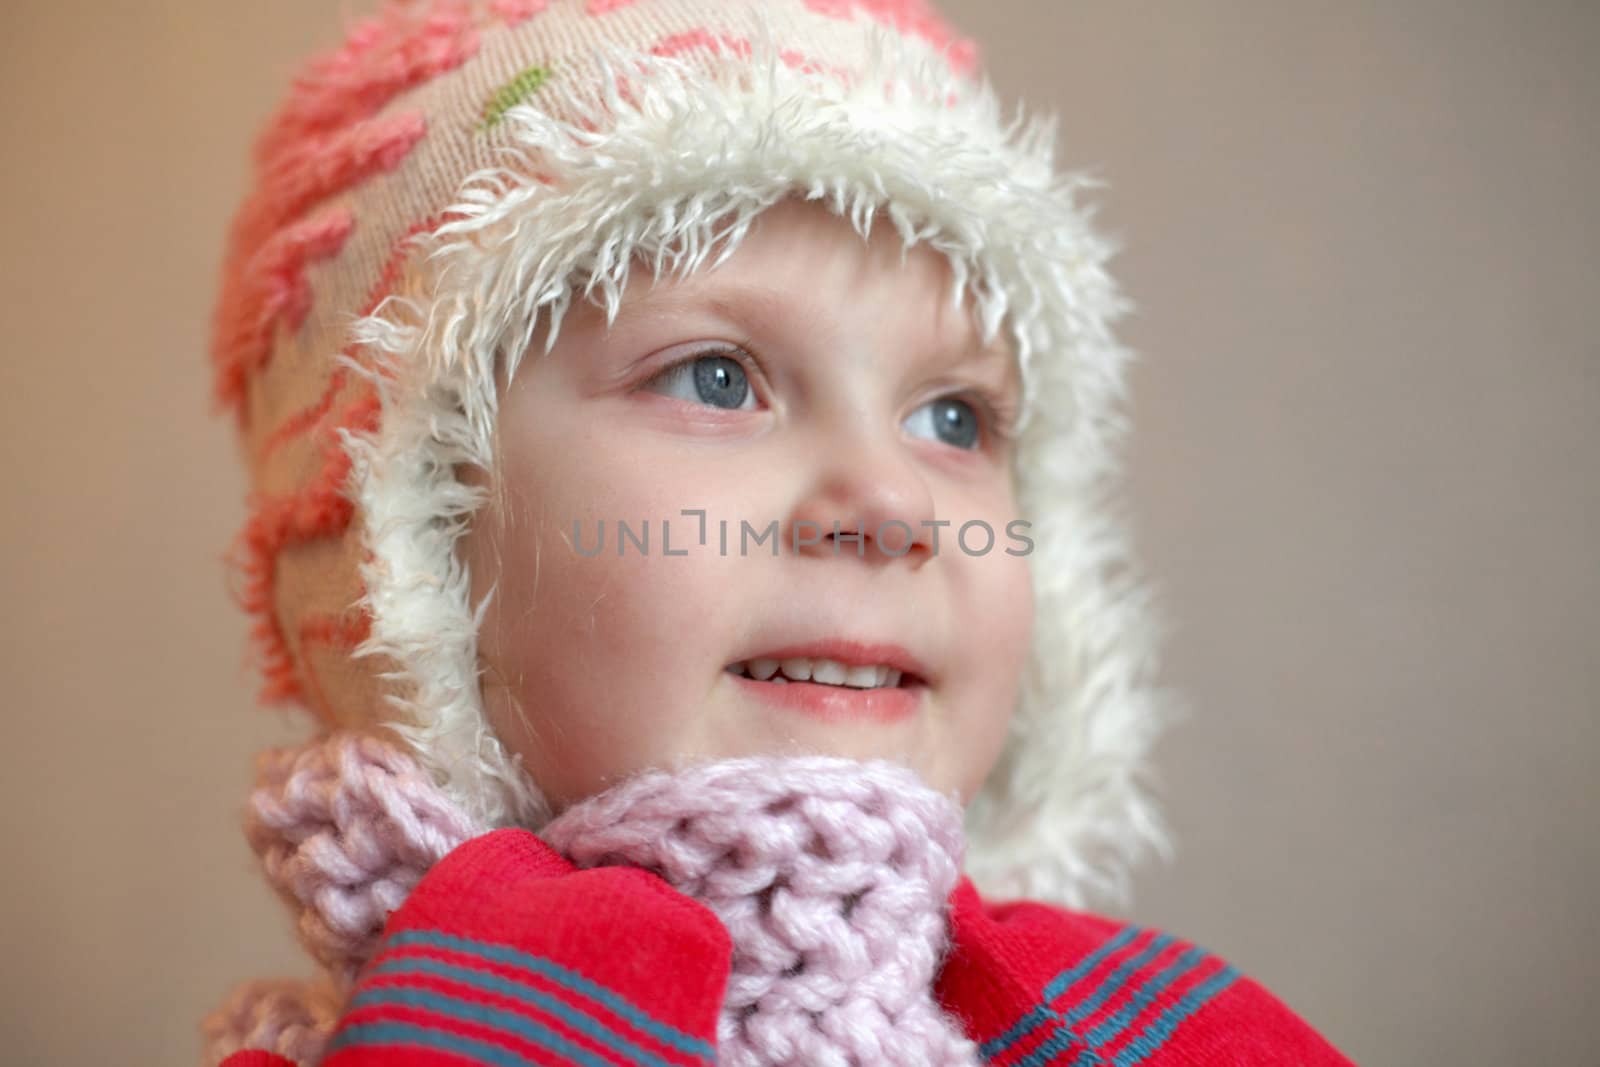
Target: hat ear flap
(386, 199)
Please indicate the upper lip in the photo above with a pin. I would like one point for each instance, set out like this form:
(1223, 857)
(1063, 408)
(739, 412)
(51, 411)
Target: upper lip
(851, 653)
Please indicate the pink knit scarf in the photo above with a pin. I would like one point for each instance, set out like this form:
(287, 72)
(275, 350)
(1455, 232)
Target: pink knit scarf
(831, 875)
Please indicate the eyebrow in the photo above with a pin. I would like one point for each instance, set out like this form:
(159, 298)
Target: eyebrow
(751, 304)
(746, 304)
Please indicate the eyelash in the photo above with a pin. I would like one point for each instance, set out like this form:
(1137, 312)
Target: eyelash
(997, 412)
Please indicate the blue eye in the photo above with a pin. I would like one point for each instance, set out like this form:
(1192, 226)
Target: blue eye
(714, 379)
(948, 420)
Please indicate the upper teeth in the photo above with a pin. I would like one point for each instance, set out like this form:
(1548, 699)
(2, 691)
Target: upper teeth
(824, 671)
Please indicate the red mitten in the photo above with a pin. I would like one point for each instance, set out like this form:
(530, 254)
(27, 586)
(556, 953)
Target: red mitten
(1042, 984)
(504, 953)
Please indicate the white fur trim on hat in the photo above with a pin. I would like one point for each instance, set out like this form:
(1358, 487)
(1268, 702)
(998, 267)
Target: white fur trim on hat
(674, 174)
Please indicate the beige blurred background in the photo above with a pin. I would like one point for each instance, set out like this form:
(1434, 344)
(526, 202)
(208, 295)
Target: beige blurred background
(1364, 243)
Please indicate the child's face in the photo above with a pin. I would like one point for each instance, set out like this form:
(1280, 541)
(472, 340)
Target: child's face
(848, 410)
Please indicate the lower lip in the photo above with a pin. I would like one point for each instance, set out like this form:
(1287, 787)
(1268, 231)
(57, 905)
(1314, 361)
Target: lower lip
(834, 703)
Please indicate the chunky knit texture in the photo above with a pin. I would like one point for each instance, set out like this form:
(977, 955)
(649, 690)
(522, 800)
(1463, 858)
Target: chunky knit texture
(344, 826)
(788, 910)
(831, 875)
(344, 829)
(284, 1016)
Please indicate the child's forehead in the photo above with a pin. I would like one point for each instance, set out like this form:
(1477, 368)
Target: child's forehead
(761, 305)
(801, 272)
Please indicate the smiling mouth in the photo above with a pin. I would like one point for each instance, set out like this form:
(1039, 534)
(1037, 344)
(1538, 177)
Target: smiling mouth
(825, 672)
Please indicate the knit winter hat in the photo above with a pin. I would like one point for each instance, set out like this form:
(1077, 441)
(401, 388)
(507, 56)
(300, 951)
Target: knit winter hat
(455, 174)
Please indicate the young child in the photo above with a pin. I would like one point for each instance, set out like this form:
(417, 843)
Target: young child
(683, 436)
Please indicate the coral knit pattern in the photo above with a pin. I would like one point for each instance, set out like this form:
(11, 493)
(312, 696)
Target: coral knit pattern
(768, 910)
(365, 156)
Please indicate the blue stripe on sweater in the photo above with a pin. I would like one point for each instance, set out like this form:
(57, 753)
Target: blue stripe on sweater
(568, 979)
(1058, 985)
(457, 1007)
(368, 1034)
(1156, 1034)
(1065, 1037)
(1112, 1027)
(1066, 979)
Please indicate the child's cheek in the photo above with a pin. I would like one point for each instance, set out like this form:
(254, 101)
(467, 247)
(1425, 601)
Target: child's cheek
(999, 622)
(601, 647)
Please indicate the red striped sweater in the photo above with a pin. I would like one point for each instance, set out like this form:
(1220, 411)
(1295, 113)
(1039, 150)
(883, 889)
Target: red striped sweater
(506, 954)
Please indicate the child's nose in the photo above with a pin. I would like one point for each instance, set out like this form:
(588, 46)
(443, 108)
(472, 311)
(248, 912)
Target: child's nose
(882, 505)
